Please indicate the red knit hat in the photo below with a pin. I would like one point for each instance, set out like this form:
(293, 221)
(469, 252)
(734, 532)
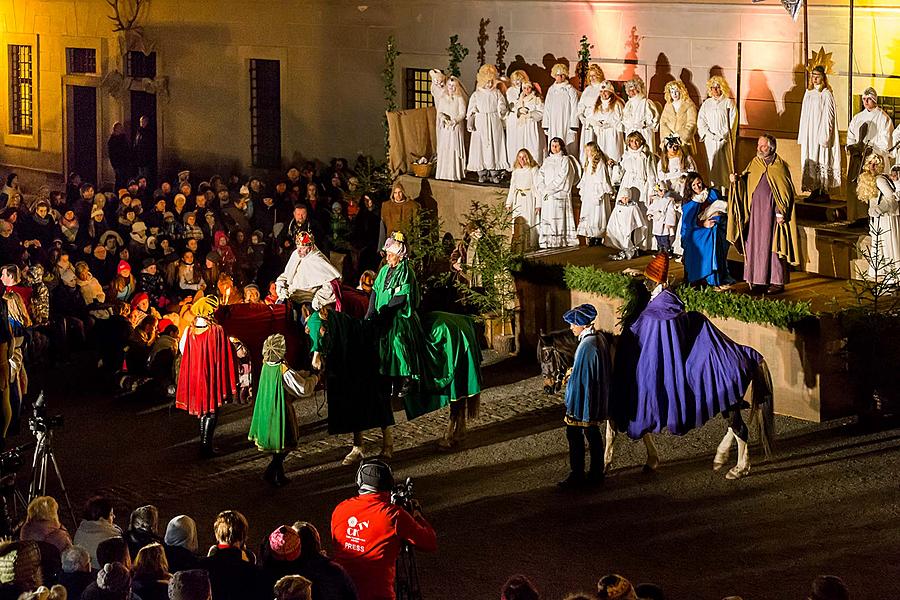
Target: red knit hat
(123, 266)
(138, 297)
(285, 543)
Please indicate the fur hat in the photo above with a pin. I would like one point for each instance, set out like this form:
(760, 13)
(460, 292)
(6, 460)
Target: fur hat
(582, 315)
(284, 541)
(615, 587)
(658, 269)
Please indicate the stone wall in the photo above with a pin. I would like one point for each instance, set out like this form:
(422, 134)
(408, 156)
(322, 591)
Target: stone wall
(331, 54)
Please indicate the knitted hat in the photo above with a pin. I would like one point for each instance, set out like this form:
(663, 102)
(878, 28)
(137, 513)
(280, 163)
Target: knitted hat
(163, 325)
(658, 269)
(147, 263)
(122, 267)
(114, 577)
(190, 584)
(582, 315)
(122, 193)
(284, 541)
(134, 302)
(274, 348)
(96, 211)
(615, 587)
(829, 587)
(374, 475)
(214, 257)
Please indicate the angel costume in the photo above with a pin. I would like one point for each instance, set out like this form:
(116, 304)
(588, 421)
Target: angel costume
(869, 131)
(523, 128)
(679, 117)
(641, 114)
(716, 123)
(555, 180)
(451, 144)
(670, 175)
(487, 147)
(585, 109)
(595, 189)
(561, 113)
(884, 229)
(606, 122)
(820, 150)
(628, 226)
(522, 199)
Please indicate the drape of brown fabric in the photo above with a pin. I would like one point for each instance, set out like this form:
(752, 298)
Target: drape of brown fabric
(411, 134)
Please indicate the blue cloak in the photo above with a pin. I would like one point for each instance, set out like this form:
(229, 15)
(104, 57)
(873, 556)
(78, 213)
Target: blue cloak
(686, 371)
(705, 248)
(587, 393)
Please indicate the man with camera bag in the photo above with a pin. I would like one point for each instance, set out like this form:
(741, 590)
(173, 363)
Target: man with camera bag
(370, 529)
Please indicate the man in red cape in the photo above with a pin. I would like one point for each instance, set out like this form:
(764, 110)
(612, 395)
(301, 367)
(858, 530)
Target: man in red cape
(208, 375)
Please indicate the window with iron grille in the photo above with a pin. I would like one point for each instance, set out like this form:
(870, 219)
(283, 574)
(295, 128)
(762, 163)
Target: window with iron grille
(418, 88)
(81, 60)
(140, 65)
(21, 90)
(265, 113)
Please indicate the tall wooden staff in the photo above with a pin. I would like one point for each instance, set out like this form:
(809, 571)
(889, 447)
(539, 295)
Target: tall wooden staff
(737, 102)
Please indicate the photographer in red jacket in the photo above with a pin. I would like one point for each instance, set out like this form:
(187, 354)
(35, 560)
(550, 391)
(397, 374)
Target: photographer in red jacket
(368, 531)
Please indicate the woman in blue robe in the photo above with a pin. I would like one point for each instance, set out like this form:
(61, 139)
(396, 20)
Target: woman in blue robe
(703, 234)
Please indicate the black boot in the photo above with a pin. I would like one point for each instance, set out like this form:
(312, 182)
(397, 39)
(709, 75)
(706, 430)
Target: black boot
(575, 480)
(269, 473)
(595, 475)
(280, 478)
(208, 429)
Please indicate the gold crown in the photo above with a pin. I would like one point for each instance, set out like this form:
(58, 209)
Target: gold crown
(821, 59)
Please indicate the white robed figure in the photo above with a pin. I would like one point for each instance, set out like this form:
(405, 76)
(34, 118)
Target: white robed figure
(606, 122)
(671, 171)
(523, 124)
(555, 180)
(628, 226)
(882, 192)
(716, 124)
(523, 201)
(586, 104)
(640, 113)
(820, 151)
(561, 109)
(450, 103)
(595, 190)
(487, 146)
(870, 130)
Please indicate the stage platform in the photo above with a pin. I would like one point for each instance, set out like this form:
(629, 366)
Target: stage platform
(808, 370)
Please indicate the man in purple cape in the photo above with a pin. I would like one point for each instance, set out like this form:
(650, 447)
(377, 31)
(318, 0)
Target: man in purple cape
(685, 372)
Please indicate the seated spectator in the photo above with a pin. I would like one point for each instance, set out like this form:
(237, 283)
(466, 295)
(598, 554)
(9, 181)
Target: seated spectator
(90, 287)
(96, 527)
(192, 584)
(293, 587)
(57, 592)
(829, 587)
(20, 568)
(151, 573)
(142, 529)
(580, 596)
(76, 571)
(519, 587)
(231, 566)
(181, 544)
(113, 583)
(42, 524)
(279, 557)
(330, 580)
(114, 550)
(649, 591)
(615, 587)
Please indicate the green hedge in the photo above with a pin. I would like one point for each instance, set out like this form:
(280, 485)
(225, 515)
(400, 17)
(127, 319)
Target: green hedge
(780, 313)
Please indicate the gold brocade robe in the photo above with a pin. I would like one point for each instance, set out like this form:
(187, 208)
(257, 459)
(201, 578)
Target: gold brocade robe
(784, 236)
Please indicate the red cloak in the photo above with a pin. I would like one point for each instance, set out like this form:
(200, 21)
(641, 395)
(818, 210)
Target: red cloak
(208, 375)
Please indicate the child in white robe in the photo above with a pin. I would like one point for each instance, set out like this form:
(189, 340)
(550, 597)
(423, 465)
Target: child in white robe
(595, 189)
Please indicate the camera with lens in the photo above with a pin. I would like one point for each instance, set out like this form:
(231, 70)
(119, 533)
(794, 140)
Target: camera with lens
(11, 461)
(402, 495)
(40, 421)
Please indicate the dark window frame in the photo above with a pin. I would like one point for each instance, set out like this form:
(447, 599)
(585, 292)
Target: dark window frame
(418, 88)
(265, 113)
(139, 65)
(21, 89)
(81, 61)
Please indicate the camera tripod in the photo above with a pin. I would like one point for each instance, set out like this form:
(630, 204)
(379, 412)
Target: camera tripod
(407, 582)
(43, 456)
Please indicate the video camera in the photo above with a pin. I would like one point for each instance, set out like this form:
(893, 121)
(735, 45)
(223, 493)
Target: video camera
(402, 495)
(11, 461)
(40, 422)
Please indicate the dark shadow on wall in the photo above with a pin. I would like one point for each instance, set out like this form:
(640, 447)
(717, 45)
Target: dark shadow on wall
(760, 102)
(661, 76)
(793, 99)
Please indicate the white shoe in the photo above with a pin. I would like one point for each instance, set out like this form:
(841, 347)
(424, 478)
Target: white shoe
(354, 456)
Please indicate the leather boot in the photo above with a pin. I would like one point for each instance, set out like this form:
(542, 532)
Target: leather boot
(208, 424)
(280, 478)
(575, 437)
(269, 473)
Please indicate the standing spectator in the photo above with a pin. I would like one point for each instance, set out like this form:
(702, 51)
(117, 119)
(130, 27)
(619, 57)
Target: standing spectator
(231, 567)
(144, 149)
(181, 544)
(42, 524)
(119, 149)
(76, 571)
(98, 525)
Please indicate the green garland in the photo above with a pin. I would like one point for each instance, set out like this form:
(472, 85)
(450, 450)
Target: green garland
(584, 59)
(390, 87)
(482, 40)
(779, 313)
(457, 53)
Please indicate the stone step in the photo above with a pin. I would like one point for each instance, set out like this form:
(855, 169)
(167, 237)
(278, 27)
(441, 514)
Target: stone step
(827, 212)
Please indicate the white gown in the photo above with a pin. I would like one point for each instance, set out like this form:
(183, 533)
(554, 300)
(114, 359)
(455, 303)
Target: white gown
(884, 229)
(523, 128)
(451, 143)
(585, 109)
(555, 180)
(561, 114)
(716, 121)
(487, 147)
(820, 151)
(522, 199)
(607, 127)
(672, 179)
(595, 190)
(642, 115)
(628, 224)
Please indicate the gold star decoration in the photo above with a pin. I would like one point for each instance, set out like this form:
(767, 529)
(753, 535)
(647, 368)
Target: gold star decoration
(820, 58)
